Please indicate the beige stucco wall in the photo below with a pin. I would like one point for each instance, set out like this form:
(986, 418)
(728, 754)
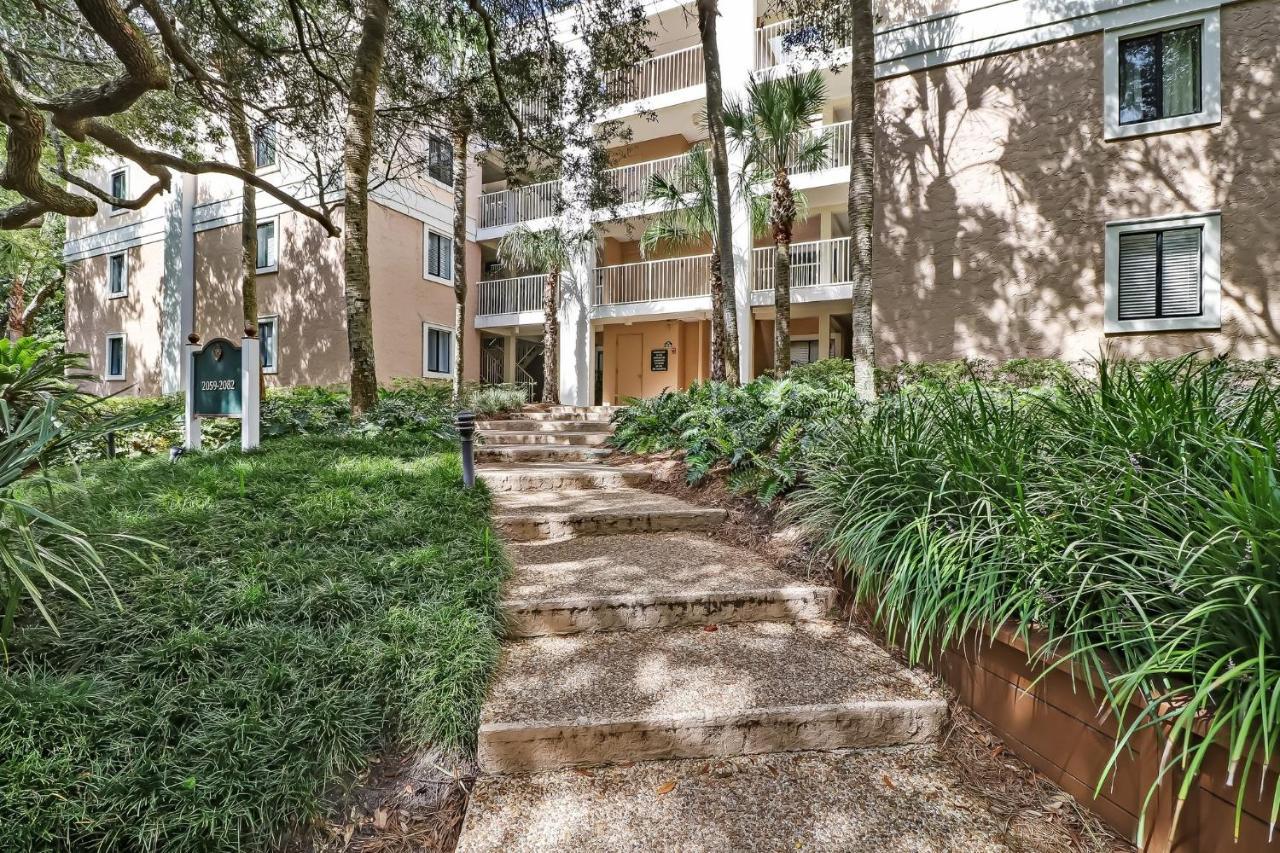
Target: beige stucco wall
(91, 316)
(995, 183)
(649, 149)
(656, 335)
(305, 294)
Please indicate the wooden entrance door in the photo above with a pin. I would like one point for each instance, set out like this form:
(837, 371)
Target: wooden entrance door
(628, 368)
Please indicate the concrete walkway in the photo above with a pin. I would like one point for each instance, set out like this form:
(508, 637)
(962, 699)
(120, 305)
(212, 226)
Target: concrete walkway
(662, 690)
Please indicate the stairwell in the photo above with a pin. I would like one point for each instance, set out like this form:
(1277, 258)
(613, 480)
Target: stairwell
(661, 689)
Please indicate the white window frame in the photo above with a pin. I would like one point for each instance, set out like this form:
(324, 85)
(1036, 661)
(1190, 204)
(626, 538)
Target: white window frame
(124, 357)
(1210, 22)
(427, 231)
(274, 222)
(1210, 316)
(111, 185)
(273, 128)
(124, 275)
(274, 320)
(439, 137)
(453, 351)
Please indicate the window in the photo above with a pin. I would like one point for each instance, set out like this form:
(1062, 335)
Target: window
(1162, 76)
(117, 275)
(1163, 275)
(268, 344)
(119, 188)
(264, 145)
(804, 352)
(440, 159)
(439, 256)
(115, 357)
(267, 249)
(437, 355)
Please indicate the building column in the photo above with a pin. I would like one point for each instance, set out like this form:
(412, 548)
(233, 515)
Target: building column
(509, 358)
(824, 335)
(737, 26)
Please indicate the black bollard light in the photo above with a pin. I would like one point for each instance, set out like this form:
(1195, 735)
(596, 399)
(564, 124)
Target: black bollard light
(111, 444)
(466, 424)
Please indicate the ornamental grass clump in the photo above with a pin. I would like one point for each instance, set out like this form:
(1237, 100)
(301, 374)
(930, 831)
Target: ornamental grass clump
(1132, 517)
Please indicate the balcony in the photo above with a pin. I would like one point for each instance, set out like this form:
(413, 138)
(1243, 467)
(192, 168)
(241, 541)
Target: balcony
(668, 72)
(840, 148)
(821, 263)
(782, 42)
(521, 204)
(632, 182)
(509, 295)
(653, 281)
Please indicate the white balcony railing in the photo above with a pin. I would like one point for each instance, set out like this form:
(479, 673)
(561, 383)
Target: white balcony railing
(840, 145)
(522, 204)
(782, 42)
(510, 295)
(812, 264)
(648, 281)
(632, 181)
(668, 72)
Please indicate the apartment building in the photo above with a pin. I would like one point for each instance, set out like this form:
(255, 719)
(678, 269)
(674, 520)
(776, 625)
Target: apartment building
(1053, 177)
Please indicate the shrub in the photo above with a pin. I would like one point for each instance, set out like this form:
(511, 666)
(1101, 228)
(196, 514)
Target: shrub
(1133, 517)
(494, 399)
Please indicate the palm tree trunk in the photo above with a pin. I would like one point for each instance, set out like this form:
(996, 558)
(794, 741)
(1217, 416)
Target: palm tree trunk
(550, 338)
(783, 214)
(782, 307)
(724, 341)
(461, 135)
(356, 155)
(862, 197)
(719, 352)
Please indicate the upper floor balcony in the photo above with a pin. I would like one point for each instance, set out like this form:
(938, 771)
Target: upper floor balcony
(783, 42)
(819, 270)
(658, 76)
(519, 204)
(509, 301)
(651, 282)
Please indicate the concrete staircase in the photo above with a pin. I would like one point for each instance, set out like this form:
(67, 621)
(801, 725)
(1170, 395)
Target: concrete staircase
(637, 637)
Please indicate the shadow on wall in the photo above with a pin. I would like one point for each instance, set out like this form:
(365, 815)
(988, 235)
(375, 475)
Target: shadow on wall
(305, 294)
(996, 184)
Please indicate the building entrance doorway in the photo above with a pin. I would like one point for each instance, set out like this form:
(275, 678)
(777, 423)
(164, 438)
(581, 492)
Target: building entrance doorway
(628, 377)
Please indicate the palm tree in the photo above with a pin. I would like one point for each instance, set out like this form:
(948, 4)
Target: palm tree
(691, 216)
(549, 251)
(862, 69)
(773, 128)
(722, 246)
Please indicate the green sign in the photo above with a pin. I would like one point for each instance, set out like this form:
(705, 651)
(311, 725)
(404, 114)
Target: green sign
(217, 379)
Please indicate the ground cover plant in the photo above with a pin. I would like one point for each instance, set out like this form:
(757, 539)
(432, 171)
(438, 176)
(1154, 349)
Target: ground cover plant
(422, 406)
(307, 605)
(1130, 512)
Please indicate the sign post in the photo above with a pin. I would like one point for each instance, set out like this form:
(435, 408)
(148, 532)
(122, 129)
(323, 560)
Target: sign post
(223, 383)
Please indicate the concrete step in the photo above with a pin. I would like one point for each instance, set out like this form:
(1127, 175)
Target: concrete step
(601, 416)
(530, 516)
(538, 453)
(526, 425)
(859, 801)
(648, 580)
(616, 697)
(557, 476)
(562, 439)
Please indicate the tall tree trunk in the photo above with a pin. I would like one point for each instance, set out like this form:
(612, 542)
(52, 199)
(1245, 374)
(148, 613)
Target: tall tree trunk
(17, 305)
(357, 152)
(246, 157)
(551, 338)
(862, 69)
(724, 341)
(718, 351)
(782, 207)
(461, 134)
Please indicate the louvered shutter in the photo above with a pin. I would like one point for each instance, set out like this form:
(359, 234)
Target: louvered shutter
(1180, 273)
(1139, 271)
(433, 254)
(446, 257)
